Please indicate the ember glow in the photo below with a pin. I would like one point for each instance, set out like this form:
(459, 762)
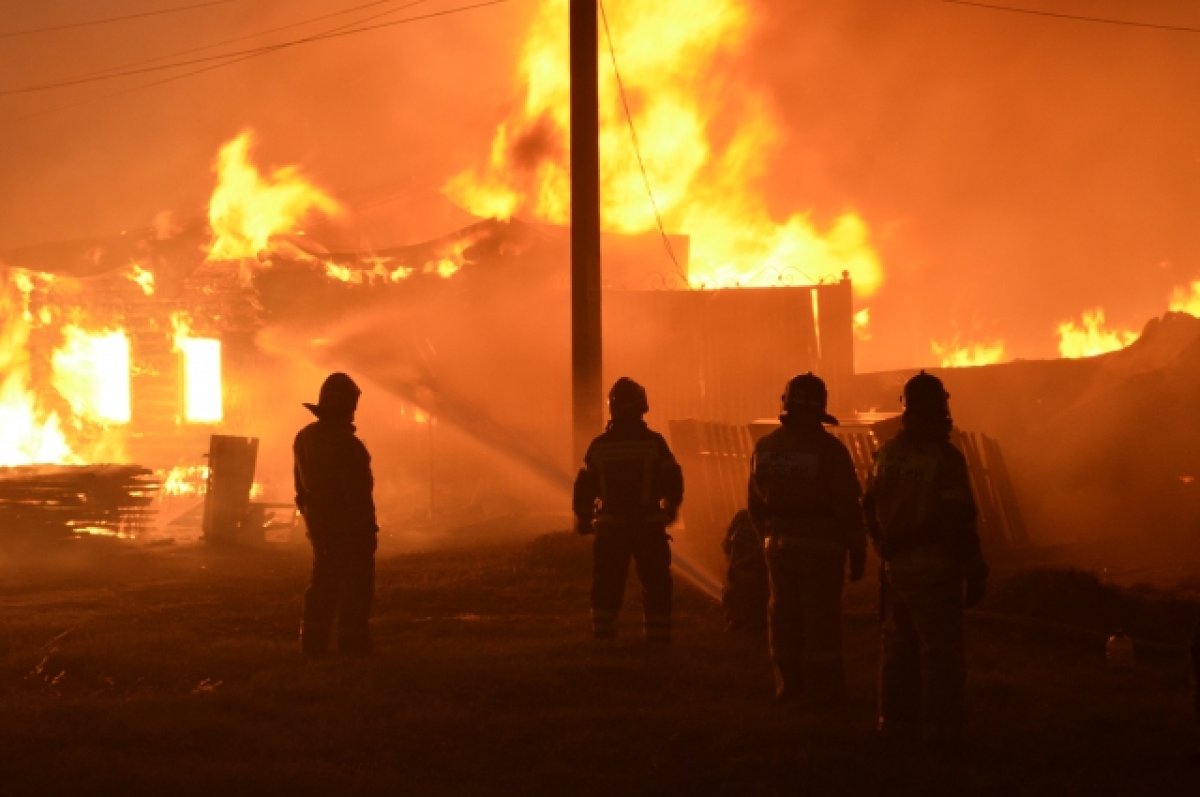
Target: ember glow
(862, 324)
(91, 371)
(201, 368)
(247, 208)
(1187, 300)
(143, 277)
(1091, 336)
(953, 354)
(706, 186)
(185, 481)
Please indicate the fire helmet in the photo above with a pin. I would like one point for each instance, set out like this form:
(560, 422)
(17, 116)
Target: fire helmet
(627, 398)
(806, 396)
(338, 396)
(925, 394)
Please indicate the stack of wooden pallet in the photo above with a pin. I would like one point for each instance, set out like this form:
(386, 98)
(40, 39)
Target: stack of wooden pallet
(49, 502)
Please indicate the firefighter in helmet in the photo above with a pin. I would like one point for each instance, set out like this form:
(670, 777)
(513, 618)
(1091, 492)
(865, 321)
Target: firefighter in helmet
(804, 499)
(627, 493)
(333, 492)
(921, 517)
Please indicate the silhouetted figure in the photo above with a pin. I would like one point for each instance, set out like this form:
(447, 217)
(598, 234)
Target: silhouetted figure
(333, 492)
(746, 590)
(628, 492)
(804, 498)
(921, 517)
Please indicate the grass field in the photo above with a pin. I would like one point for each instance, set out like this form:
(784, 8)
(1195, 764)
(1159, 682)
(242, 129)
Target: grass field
(174, 671)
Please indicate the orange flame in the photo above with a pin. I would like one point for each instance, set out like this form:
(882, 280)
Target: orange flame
(705, 185)
(201, 362)
(1187, 300)
(246, 208)
(862, 324)
(144, 278)
(91, 371)
(28, 433)
(1090, 338)
(952, 354)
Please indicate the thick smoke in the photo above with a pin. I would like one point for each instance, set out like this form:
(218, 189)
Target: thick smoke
(1015, 170)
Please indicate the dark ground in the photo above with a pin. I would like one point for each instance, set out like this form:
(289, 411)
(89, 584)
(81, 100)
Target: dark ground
(174, 671)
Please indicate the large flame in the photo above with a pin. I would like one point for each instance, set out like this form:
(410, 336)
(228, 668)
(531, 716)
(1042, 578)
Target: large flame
(247, 208)
(91, 371)
(705, 149)
(1091, 336)
(1187, 300)
(28, 433)
(201, 363)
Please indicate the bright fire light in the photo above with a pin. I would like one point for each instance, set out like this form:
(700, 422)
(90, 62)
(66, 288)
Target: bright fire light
(952, 354)
(247, 208)
(862, 324)
(705, 185)
(201, 360)
(1187, 300)
(91, 371)
(1090, 338)
(28, 434)
(144, 278)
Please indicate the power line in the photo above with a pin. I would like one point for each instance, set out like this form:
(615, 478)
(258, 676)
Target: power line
(235, 58)
(637, 149)
(109, 20)
(243, 37)
(1075, 17)
(340, 30)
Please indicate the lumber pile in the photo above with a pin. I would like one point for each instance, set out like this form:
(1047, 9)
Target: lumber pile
(42, 503)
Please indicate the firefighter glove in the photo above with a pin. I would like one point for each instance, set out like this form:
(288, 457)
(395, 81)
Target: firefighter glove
(975, 589)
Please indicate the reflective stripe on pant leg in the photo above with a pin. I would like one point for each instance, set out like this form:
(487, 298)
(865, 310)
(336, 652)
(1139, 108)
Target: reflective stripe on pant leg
(652, 555)
(357, 591)
(320, 601)
(824, 672)
(610, 564)
(785, 626)
(899, 663)
(935, 606)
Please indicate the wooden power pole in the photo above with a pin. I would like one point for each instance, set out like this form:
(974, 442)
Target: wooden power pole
(586, 336)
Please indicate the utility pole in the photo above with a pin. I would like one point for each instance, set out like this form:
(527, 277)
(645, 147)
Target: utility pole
(586, 335)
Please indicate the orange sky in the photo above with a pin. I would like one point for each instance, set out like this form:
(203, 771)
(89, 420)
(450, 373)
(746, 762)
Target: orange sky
(1014, 170)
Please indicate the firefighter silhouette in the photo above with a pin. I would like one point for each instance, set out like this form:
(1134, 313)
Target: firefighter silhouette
(921, 517)
(804, 498)
(334, 494)
(627, 492)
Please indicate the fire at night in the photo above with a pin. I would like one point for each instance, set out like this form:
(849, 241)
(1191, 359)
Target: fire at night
(529, 392)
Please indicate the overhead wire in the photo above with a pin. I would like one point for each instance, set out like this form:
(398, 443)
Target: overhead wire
(8, 34)
(1074, 17)
(245, 55)
(243, 37)
(333, 32)
(637, 148)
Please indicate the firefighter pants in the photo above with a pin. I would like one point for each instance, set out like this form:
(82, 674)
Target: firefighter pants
(922, 671)
(650, 550)
(341, 588)
(804, 622)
